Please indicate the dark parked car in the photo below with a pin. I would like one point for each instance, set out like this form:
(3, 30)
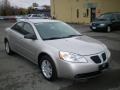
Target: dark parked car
(106, 22)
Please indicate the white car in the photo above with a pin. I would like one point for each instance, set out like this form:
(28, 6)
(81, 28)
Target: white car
(58, 49)
(36, 16)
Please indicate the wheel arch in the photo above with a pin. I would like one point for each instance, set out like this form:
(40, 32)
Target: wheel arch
(43, 54)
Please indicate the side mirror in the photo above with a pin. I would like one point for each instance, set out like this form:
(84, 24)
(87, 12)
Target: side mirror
(30, 36)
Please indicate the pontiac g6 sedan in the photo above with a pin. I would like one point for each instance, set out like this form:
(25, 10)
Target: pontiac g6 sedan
(58, 49)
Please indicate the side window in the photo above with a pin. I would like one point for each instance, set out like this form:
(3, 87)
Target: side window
(111, 17)
(28, 29)
(108, 16)
(18, 27)
(118, 16)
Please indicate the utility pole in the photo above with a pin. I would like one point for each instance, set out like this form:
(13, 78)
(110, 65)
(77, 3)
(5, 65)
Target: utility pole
(5, 7)
(54, 8)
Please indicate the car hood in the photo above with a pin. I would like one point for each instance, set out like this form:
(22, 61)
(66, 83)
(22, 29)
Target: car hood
(83, 45)
(101, 22)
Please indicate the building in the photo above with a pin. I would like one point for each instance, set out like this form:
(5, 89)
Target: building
(1, 6)
(82, 11)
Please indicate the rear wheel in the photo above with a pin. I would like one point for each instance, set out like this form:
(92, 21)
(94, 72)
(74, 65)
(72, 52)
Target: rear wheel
(47, 68)
(7, 48)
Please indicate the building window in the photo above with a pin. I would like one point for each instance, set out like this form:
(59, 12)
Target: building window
(87, 12)
(77, 13)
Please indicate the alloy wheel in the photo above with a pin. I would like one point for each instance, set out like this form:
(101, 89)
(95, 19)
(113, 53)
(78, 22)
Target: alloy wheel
(46, 68)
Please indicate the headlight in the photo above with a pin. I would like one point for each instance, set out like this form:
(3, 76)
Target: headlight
(107, 51)
(72, 57)
(102, 24)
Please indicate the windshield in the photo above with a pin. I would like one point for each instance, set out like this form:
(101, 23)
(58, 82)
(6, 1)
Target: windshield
(55, 30)
(104, 17)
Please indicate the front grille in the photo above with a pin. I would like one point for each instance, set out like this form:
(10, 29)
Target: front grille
(96, 59)
(104, 56)
(95, 24)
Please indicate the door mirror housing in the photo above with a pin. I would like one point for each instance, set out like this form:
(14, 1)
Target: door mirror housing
(30, 36)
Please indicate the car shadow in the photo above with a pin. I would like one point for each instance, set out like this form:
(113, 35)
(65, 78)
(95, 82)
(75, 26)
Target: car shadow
(106, 81)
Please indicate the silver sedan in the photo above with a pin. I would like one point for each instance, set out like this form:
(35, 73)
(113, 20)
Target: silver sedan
(58, 49)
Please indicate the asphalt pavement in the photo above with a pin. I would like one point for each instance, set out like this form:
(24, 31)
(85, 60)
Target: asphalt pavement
(18, 73)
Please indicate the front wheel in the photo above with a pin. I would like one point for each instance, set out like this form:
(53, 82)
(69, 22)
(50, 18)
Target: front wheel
(48, 69)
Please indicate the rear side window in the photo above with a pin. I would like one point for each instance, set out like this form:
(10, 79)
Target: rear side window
(18, 27)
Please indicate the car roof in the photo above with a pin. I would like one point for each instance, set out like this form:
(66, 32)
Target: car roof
(39, 20)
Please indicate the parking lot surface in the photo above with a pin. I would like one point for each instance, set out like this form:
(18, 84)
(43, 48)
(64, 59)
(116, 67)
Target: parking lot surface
(18, 73)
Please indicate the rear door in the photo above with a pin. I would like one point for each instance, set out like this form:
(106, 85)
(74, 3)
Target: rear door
(15, 36)
(25, 47)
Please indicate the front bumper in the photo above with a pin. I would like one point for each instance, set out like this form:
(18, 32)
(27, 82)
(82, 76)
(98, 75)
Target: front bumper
(97, 28)
(80, 70)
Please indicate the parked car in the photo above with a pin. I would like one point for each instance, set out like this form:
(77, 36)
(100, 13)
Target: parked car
(1, 18)
(58, 49)
(20, 16)
(36, 16)
(32, 16)
(106, 22)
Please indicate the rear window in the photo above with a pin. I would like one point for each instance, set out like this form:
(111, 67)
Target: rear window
(18, 26)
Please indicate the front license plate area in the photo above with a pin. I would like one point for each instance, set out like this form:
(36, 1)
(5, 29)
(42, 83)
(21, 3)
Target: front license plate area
(93, 27)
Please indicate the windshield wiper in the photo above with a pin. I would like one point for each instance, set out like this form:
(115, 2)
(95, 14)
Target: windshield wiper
(74, 35)
(52, 38)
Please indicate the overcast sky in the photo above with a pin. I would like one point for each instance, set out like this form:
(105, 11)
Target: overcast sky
(27, 3)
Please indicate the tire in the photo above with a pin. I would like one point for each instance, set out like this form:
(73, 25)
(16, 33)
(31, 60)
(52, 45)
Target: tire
(7, 48)
(108, 29)
(47, 68)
